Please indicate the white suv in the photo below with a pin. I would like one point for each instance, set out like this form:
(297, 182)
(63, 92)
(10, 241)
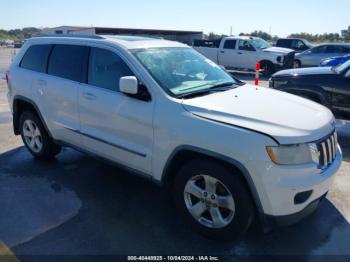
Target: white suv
(226, 150)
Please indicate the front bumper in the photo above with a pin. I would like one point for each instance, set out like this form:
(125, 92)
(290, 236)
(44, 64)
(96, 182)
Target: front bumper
(288, 62)
(278, 221)
(277, 187)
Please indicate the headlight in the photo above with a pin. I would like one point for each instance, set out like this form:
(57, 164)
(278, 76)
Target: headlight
(294, 154)
(326, 61)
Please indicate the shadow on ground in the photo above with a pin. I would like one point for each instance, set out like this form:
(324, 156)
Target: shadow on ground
(124, 214)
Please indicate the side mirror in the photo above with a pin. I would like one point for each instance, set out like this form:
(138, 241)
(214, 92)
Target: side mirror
(128, 85)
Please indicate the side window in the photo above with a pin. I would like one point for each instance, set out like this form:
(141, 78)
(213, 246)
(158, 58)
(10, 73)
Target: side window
(106, 68)
(283, 43)
(36, 58)
(245, 45)
(230, 44)
(67, 61)
(318, 49)
(337, 49)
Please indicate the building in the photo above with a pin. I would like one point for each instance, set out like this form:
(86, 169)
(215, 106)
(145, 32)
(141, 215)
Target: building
(175, 35)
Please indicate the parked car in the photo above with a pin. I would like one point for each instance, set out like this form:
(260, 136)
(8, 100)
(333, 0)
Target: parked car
(328, 86)
(225, 150)
(297, 44)
(315, 55)
(19, 44)
(334, 61)
(243, 52)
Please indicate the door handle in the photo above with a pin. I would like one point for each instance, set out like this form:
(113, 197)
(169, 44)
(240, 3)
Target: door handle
(240, 53)
(222, 52)
(89, 96)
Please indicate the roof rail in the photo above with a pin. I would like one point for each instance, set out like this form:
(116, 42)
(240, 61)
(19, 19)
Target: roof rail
(92, 36)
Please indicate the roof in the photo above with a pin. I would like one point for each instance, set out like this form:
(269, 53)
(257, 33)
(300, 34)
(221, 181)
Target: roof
(128, 42)
(116, 30)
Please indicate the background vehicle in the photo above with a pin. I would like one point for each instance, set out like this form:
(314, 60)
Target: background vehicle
(328, 86)
(315, 55)
(127, 100)
(297, 44)
(334, 61)
(242, 53)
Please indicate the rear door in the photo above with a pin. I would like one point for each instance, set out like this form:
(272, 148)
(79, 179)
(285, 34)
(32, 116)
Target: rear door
(60, 89)
(228, 54)
(314, 56)
(336, 50)
(113, 125)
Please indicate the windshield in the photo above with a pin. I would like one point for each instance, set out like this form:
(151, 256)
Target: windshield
(342, 67)
(182, 70)
(260, 43)
(307, 43)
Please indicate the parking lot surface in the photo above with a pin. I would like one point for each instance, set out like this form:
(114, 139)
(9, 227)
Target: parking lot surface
(77, 205)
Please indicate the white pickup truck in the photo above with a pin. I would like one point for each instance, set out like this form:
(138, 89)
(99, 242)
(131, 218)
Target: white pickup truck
(242, 53)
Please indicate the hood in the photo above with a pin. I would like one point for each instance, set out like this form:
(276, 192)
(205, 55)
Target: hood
(279, 50)
(306, 71)
(287, 118)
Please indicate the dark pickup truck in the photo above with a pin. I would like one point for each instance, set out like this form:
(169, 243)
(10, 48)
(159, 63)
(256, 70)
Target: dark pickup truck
(329, 86)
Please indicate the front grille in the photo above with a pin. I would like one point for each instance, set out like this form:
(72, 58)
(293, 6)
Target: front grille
(289, 60)
(328, 149)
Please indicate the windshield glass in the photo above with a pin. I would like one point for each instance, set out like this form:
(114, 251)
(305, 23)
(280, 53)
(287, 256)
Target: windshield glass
(342, 67)
(182, 70)
(260, 43)
(307, 43)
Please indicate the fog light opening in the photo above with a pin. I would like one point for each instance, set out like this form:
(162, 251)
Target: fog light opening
(302, 197)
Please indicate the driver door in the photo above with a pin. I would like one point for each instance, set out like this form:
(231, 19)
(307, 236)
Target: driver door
(113, 125)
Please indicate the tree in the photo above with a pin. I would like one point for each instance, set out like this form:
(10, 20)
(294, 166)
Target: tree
(213, 36)
(260, 34)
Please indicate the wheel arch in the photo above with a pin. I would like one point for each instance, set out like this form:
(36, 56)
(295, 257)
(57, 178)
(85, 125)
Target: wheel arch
(21, 104)
(182, 154)
(313, 93)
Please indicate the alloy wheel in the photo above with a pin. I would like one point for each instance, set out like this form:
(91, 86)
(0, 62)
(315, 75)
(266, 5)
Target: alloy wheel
(209, 201)
(32, 136)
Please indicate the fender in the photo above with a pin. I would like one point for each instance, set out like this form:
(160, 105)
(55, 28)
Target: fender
(16, 116)
(226, 159)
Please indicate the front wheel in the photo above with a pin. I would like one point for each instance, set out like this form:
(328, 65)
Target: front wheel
(35, 137)
(213, 199)
(267, 69)
(296, 64)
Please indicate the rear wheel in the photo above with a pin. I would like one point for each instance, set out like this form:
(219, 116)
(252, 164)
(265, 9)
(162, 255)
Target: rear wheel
(35, 137)
(213, 199)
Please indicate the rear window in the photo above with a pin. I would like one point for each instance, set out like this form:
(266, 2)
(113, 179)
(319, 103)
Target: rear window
(67, 61)
(36, 58)
(283, 43)
(230, 44)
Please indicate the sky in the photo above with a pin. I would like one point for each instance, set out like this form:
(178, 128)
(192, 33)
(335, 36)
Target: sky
(277, 17)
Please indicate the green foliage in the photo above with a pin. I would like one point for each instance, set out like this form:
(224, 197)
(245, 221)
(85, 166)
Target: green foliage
(213, 36)
(19, 34)
(260, 34)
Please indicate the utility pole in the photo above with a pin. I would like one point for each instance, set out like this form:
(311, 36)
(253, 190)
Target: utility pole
(231, 30)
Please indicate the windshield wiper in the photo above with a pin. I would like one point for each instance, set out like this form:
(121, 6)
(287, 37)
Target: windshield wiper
(215, 88)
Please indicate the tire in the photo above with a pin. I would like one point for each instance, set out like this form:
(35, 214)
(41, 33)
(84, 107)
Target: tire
(238, 213)
(296, 64)
(268, 69)
(35, 137)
